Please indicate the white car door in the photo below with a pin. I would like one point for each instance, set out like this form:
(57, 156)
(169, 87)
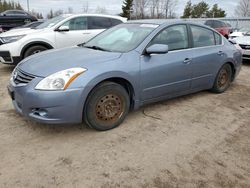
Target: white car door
(78, 33)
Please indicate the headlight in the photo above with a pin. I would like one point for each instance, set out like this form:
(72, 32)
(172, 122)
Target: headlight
(60, 80)
(10, 39)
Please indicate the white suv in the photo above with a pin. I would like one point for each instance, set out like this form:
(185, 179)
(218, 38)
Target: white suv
(59, 32)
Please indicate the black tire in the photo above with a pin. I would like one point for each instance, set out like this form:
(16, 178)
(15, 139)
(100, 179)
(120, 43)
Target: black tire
(223, 79)
(34, 50)
(106, 106)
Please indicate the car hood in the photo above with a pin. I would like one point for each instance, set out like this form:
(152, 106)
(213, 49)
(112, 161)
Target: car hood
(236, 34)
(21, 31)
(245, 40)
(52, 61)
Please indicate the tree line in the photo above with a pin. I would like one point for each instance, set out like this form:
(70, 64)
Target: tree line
(140, 9)
(7, 5)
(202, 9)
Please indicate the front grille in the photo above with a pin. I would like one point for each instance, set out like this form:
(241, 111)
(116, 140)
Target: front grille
(245, 47)
(21, 77)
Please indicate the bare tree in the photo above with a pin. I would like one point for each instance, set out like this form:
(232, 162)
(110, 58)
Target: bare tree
(140, 7)
(70, 10)
(58, 12)
(162, 8)
(154, 8)
(101, 10)
(170, 6)
(243, 8)
(85, 8)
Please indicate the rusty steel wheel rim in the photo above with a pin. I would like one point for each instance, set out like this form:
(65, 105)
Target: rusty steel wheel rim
(223, 78)
(109, 108)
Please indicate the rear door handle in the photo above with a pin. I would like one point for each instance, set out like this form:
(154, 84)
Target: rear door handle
(187, 61)
(221, 53)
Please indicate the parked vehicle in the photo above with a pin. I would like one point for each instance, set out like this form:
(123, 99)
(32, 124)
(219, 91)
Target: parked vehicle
(244, 43)
(59, 32)
(123, 68)
(241, 32)
(219, 26)
(231, 29)
(31, 25)
(14, 18)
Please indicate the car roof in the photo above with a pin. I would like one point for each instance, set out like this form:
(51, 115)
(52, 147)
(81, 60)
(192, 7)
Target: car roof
(99, 15)
(165, 22)
(16, 10)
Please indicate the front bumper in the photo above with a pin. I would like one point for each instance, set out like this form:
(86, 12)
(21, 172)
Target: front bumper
(245, 51)
(6, 58)
(50, 107)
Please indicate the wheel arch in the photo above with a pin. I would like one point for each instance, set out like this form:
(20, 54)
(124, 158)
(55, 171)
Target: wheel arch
(41, 43)
(232, 67)
(124, 82)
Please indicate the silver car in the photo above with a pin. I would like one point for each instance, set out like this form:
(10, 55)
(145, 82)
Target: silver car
(122, 69)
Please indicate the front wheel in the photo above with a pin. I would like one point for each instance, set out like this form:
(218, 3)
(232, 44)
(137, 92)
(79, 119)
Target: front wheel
(107, 106)
(34, 50)
(223, 79)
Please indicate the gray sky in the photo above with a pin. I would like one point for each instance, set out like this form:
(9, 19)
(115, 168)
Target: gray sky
(112, 6)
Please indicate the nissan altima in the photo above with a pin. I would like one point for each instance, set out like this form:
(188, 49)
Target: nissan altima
(121, 69)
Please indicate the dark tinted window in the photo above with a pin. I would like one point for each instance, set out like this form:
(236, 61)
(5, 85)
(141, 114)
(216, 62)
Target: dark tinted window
(202, 36)
(218, 24)
(99, 23)
(79, 23)
(209, 23)
(115, 21)
(218, 39)
(13, 12)
(175, 37)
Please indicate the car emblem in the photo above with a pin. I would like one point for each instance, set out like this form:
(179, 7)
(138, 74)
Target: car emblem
(247, 47)
(15, 76)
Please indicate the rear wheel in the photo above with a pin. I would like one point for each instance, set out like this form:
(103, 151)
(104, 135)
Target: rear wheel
(34, 50)
(107, 106)
(223, 79)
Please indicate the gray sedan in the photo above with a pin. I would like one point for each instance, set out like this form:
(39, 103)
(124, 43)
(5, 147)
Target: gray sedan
(122, 69)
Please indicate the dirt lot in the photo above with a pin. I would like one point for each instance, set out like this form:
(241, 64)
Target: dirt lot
(200, 140)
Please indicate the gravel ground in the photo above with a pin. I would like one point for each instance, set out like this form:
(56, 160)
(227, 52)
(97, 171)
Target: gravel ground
(199, 140)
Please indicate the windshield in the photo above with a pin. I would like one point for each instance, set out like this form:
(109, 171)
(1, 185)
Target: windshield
(245, 29)
(121, 38)
(51, 22)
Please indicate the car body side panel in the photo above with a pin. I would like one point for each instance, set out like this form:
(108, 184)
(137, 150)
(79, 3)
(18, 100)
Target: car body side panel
(165, 74)
(206, 62)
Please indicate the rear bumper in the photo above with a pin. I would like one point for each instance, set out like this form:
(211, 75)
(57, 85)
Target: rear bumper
(6, 58)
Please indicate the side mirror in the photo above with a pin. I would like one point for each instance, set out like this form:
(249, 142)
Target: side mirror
(232, 41)
(63, 28)
(157, 49)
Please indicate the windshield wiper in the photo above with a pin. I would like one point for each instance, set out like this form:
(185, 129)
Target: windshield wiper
(97, 48)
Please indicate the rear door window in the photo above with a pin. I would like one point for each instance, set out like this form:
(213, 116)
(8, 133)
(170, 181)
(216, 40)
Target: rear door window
(218, 24)
(218, 39)
(115, 22)
(99, 23)
(202, 36)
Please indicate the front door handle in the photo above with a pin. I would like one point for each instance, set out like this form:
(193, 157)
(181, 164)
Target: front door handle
(221, 53)
(187, 61)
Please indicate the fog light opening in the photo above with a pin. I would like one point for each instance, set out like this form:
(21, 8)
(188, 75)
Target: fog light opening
(40, 112)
